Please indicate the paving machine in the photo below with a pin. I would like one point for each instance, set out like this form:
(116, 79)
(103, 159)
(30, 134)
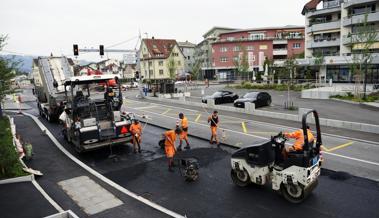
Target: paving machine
(94, 121)
(294, 176)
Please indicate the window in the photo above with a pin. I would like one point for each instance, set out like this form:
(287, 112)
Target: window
(160, 72)
(223, 59)
(160, 63)
(150, 63)
(223, 49)
(237, 48)
(175, 54)
(230, 38)
(179, 63)
(250, 48)
(296, 45)
(189, 57)
(236, 58)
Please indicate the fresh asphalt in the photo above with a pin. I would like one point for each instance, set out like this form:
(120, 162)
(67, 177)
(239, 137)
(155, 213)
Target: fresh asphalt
(213, 195)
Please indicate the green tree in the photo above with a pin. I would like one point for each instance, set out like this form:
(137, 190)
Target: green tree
(290, 68)
(196, 69)
(319, 61)
(7, 72)
(362, 41)
(241, 63)
(172, 67)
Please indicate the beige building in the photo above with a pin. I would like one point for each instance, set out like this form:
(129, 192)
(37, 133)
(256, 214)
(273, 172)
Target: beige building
(155, 55)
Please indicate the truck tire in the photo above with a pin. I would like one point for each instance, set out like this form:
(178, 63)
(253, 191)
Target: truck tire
(240, 177)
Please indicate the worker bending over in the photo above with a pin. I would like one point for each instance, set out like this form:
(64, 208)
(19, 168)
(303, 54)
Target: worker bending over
(214, 123)
(170, 138)
(136, 130)
(184, 135)
(299, 139)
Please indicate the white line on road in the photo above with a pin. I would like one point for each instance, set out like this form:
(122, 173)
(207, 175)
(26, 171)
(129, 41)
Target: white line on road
(100, 176)
(352, 158)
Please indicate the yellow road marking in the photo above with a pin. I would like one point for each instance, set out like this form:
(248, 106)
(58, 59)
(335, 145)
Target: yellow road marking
(197, 118)
(324, 148)
(340, 146)
(167, 111)
(244, 127)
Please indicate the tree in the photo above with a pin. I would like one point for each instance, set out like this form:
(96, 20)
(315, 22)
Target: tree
(241, 63)
(7, 69)
(196, 69)
(172, 67)
(319, 61)
(269, 66)
(362, 41)
(290, 68)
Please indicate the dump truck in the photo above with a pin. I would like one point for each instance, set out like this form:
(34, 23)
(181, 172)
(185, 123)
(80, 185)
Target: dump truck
(50, 73)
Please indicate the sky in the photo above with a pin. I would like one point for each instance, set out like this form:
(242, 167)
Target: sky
(41, 27)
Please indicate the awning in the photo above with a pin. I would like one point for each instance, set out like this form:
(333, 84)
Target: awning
(359, 46)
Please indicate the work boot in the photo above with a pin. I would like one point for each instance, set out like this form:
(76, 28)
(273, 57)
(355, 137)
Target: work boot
(179, 148)
(170, 169)
(187, 147)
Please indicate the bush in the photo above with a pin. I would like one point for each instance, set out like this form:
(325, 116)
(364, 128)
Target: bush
(277, 87)
(9, 162)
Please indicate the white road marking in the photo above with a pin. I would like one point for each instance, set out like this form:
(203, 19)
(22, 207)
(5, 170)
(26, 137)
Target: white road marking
(352, 158)
(100, 176)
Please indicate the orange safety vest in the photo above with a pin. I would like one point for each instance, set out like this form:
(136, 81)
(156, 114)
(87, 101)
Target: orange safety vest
(184, 123)
(170, 143)
(136, 128)
(299, 137)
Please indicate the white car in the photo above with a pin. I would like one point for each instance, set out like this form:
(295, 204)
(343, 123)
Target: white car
(129, 85)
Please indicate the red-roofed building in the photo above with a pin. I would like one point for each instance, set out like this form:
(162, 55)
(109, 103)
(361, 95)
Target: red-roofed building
(155, 55)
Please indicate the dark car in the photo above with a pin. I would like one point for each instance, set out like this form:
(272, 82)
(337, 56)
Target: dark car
(260, 99)
(221, 97)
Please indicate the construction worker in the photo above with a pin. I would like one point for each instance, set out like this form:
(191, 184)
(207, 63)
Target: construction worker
(214, 121)
(184, 135)
(299, 139)
(170, 138)
(136, 130)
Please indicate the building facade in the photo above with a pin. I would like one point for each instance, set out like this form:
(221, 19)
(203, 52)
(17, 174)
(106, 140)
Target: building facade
(188, 50)
(257, 45)
(156, 56)
(203, 51)
(334, 32)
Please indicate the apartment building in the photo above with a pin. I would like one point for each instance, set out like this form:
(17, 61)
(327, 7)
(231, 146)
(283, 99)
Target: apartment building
(155, 55)
(331, 30)
(203, 50)
(188, 50)
(258, 44)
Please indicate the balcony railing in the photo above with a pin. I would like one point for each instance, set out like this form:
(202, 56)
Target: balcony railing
(332, 4)
(259, 39)
(359, 18)
(324, 42)
(354, 38)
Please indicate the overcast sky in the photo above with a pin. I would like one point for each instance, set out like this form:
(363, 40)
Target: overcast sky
(39, 27)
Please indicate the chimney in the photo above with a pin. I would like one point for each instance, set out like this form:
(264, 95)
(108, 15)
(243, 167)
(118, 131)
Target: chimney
(152, 37)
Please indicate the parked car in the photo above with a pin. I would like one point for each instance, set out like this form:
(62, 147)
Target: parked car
(129, 85)
(221, 97)
(260, 99)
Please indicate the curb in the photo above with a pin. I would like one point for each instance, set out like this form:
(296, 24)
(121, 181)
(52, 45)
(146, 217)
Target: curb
(28, 178)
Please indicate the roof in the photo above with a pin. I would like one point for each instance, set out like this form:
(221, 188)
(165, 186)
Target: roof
(186, 44)
(217, 27)
(266, 28)
(160, 48)
(311, 5)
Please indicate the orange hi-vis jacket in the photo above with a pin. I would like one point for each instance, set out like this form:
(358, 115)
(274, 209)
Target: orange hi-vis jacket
(136, 129)
(184, 123)
(170, 143)
(299, 137)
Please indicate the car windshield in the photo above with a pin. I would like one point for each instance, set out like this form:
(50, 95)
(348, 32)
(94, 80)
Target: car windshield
(251, 95)
(217, 94)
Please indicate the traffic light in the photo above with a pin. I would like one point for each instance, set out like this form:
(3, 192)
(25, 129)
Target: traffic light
(136, 75)
(76, 50)
(101, 50)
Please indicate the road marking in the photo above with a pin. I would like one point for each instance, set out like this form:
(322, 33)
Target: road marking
(375, 144)
(324, 148)
(269, 133)
(244, 127)
(352, 158)
(197, 118)
(146, 107)
(340, 146)
(168, 110)
(100, 176)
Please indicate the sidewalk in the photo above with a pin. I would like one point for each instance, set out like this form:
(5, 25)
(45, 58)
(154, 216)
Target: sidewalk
(23, 200)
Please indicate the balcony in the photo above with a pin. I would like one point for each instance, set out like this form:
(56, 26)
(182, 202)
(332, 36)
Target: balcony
(316, 27)
(279, 52)
(353, 38)
(321, 43)
(280, 42)
(350, 3)
(359, 18)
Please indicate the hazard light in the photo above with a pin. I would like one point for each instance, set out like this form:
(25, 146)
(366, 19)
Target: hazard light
(124, 130)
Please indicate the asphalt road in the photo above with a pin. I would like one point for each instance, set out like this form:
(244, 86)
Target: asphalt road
(358, 156)
(214, 194)
(328, 108)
